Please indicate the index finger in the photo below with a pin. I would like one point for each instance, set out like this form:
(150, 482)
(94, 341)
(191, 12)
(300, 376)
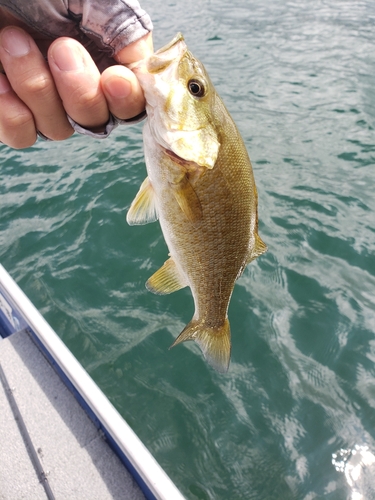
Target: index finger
(77, 79)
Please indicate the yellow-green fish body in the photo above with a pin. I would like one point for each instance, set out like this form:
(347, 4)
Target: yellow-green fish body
(201, 186)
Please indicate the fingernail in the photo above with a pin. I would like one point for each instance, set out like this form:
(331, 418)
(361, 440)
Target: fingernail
(66, 58)
(15, 42)
(4, 85)
(118, 88)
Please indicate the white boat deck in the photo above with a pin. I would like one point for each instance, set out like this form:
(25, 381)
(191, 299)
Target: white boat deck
(50, 445)
(76, 460)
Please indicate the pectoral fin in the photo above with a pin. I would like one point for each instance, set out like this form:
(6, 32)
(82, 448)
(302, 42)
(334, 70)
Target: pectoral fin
(143, 208)
(166, 280)
(187, 199)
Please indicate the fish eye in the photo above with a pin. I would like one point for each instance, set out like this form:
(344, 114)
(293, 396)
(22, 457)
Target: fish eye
(196, 88)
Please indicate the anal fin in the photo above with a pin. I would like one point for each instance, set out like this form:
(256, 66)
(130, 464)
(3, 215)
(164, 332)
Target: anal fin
(166, 280)
(143, 208)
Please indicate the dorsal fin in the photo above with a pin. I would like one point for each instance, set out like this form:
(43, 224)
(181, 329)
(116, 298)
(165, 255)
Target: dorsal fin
(143, 208)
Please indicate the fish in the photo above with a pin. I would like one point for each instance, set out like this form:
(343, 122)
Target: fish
(200, 186)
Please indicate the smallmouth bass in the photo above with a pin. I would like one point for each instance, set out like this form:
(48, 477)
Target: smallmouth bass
(200, 185)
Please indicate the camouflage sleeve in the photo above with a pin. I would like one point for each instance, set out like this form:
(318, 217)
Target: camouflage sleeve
(112, 123)
(113, 24)
(103, 27)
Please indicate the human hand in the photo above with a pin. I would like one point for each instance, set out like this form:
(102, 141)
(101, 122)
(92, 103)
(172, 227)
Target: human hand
(35, 96)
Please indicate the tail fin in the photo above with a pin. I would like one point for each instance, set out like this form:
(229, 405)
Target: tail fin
(214, 342)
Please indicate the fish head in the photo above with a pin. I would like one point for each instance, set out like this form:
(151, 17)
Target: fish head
(180, 103)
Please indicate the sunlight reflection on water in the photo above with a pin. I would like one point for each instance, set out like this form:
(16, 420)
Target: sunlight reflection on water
(358, 465)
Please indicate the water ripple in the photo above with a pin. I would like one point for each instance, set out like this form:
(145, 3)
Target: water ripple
(297, 77)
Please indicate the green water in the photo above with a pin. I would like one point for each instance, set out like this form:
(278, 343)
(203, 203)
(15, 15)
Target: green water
(298, 78)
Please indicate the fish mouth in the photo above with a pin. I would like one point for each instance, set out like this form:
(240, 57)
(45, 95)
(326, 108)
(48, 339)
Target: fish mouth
(177, 39)
(162, 58)
(168, 54)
